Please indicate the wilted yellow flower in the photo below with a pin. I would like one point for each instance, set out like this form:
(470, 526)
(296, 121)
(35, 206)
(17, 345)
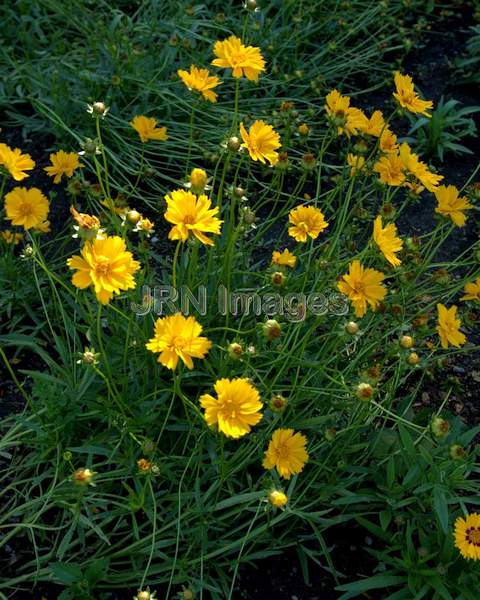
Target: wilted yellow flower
(451, 205)
(236, 409)
(107, 265)
(191, 215)
(245, 61)
(467, 536)
(286, 452)
(284, 259)
(472, 290)
(87, 225)
(261, 141)
(83, 477)
(346, 118)
(420, 170)
(390, 169)
(387, 240)
(26, 207)
(144, 465)
(15, 162)
(278, 498)
(306, 221)
(356, 163)
(63, 163)
(201, 81)
(388, 142)
(448, 327)
(407, 97)
(11, 237)
(177, 337)
(147, 129)
(145, 225)
(362, 286)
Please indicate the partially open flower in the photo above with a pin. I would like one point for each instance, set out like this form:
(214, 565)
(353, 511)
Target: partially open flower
(277, 498)
(440, 427)
(278, 403)
(83, 477)
(364, 391)
(278, 278)
(457, 452)
(97, 109)
(271, 329)
(235, 350)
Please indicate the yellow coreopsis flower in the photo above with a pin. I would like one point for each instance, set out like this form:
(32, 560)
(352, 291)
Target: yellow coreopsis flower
(107, 265)
(467, 536)
(261, 141)
(388, 142)
(375, 125)
(63, 163)
(200, 80)
(26, 207)
(278, 498)
(306, 221)
(348, 119)
(387, 240)
(245, 61)
(419, 169)
(356, 162)
(284, 259)
(15, 162)
(235, 410)
(472, 290)
(448, 327)
(178, 337)
(407, 97)
(147, 129)
(390, 169)
(286, 452)
(10, 237)
(191, 215)
(451, 205)
(363, 286)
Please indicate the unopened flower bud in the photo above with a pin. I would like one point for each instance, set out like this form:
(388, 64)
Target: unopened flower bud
(364, 391)
(277, 498)
(413, 358)
(233, 143)
(249, 216)
(277, 403)
(330, 434)
(282, 164)
(239, 192)
(303, 129)
(271, 329)
(235, 350)
(406, 341)
(309, 161)
(186, 594)
(148, 446)
(278, 278)
(457, 452)
(198, 180)
(67, 455)
(440, 427)
(145, 595)
(134, 216)
(351, 327)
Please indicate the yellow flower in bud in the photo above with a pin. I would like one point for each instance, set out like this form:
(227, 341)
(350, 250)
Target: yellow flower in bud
(261, 141)
(284, 259)
(277, 498)
(307, 221)
(198, 181)
(450, 205)
(147, 129)
(303, 129)
(440, 427)
(278, 278)
(63, 163)
(134, 216)
(413, 358)
(448, 327)
(15, 162)
(278, 403)
(407, 97)
(351, 327)
(245, 61)
(457, 452)
(406, 341)
(286, 452)
(235, 350)
(271, 329)
(200, 80)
